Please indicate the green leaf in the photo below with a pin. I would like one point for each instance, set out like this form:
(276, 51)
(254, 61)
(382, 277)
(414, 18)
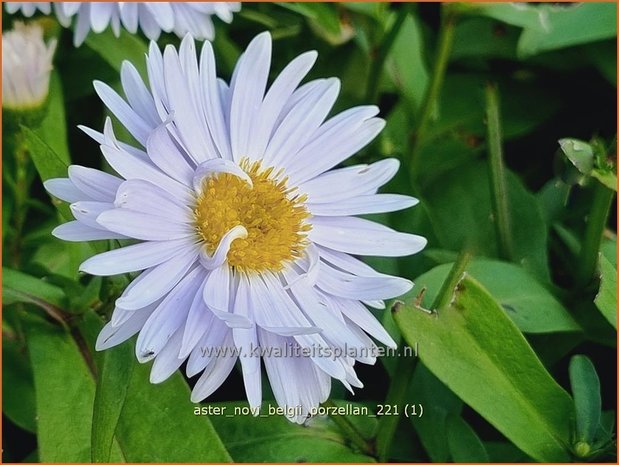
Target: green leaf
(587, 400)
(474, 348)
(21, 287)
(110, 394)
(521, 15)
(438, 403)
(474, 228)
(64, 394)
(406, 65)
(272, 438)
(551, 27)
(114, 50)
(157, 423)
(46, 160)
(464, 444)
(566, 27)
(147, 434)
(18, 402)
(48, 164)
(606, 298)
(482, 38)
(53, 129)
(580, 153)
(529, 304)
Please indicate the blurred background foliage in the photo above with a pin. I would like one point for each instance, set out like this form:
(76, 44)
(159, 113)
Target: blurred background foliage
(504, 119)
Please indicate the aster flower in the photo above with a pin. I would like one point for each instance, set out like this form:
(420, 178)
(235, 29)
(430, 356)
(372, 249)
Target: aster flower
(26, 66)
(151, 17)
(246, 232)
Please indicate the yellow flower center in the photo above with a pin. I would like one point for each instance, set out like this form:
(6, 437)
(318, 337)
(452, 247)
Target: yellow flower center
(273, 216)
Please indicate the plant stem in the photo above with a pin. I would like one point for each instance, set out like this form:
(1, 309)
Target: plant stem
(498, 184)
(349, 429)
(396, 396)
(451, 281)
(596, 222)
(398, 389)
(382, 53)
(443, 50)
(22, 186)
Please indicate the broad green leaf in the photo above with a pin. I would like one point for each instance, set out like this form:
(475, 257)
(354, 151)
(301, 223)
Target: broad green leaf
(53, 129)
(21, 287)
(474, 348)
(566, 27)
(529, 304)
(114, 50)
(521, 15)
(606, 299)
(464, 444)
(438, 403)
(64, 394)
(466, 190)
(18, 402)
(587, 400)
(479, 37)
(110, 393)
(549, 27)
(272, 438)
(157, 423)
(461, 115)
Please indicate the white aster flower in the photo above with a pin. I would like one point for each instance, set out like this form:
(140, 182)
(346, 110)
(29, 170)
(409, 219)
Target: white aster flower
(246, 232)
(26, 66)
(151, 17)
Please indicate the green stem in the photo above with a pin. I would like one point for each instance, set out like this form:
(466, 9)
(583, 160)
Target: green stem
(395, 399)
(382, 53)
(349, 429)
(498, 184)
(398, 389)
(443, 50)
(596, 222)
(451, 281)
(22, 186)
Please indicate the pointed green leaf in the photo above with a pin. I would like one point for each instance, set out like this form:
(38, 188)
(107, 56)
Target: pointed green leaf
(474, 348)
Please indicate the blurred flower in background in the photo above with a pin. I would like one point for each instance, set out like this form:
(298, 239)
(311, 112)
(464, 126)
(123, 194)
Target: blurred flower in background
(151, 18)
(245, 230)
(26, 67)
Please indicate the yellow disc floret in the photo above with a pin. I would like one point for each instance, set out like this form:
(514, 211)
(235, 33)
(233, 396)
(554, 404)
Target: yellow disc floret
(270, 211)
